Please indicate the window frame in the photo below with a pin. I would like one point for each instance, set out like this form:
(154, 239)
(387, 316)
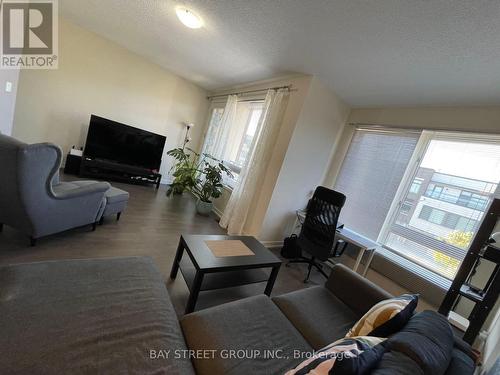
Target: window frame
(411, 171)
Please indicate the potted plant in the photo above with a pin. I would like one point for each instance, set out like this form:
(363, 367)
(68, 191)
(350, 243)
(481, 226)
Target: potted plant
(185, 170)
(199, 174)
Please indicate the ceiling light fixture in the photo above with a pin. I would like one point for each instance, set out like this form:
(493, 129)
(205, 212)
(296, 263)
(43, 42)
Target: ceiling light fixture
(188, 18)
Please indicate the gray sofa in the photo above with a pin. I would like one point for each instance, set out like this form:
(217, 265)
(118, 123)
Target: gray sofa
(95, 316)
(115, 316)
(34, 201)
(307, 320)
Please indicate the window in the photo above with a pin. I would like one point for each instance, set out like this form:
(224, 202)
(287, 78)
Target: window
(446, 219)
(251, 122)
(466, 225)
(434, 191)
(435, 216)
(370, 175)
(450, 220)
(426, 212)
(406, 207)
(213, 126)
(472, 200)
(459, 175)
(240, 136)
(415, 185)
(421, 195)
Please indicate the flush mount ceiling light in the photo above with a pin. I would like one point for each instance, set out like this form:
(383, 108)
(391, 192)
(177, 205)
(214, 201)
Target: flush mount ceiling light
(188, 18)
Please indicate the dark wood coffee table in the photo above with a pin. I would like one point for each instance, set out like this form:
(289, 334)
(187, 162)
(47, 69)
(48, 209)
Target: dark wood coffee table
(213, 265)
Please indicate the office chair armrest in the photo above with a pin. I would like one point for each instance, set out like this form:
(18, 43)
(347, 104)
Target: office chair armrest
(355, 291)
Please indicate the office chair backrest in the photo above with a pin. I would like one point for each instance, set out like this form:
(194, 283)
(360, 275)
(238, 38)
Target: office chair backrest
(318, 231)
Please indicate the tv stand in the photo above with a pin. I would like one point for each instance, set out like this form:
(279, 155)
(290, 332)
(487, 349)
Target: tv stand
(104, 169)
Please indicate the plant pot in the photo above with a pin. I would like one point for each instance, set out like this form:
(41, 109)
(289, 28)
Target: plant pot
(204, 208)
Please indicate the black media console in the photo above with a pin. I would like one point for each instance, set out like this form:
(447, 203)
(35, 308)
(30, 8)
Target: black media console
(119, 172)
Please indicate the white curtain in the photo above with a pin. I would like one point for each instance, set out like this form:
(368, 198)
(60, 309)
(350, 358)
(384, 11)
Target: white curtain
(218, 131)
(252, 173)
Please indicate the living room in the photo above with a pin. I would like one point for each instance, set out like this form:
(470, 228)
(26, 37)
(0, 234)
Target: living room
(205, 138)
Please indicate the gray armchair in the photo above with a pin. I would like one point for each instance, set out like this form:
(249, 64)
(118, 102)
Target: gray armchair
(34, 201)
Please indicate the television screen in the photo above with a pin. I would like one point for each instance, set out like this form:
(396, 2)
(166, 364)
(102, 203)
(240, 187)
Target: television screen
(112, 141)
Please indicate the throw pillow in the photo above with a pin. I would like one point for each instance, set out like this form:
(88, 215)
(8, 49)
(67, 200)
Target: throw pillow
(386, 317)
(354, 355)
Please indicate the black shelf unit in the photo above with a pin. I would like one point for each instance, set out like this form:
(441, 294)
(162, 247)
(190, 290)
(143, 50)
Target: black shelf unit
(109, 170)
(484, 298)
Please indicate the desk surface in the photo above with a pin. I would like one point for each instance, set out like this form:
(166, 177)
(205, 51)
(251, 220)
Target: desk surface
(356, 238)
(348, 235)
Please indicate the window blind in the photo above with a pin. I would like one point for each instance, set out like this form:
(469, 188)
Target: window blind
(370, 176)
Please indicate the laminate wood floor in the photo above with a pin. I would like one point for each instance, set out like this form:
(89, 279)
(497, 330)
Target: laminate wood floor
(150, 226)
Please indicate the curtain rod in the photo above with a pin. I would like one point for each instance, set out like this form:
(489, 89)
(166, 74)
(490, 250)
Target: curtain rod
(384, 128)
(250, 91)
(389, 127)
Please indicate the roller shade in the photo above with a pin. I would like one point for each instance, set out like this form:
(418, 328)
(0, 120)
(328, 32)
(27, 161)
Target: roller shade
(370, 176)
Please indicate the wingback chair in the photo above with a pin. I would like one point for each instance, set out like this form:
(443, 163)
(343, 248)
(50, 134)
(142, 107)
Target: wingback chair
(34, 201)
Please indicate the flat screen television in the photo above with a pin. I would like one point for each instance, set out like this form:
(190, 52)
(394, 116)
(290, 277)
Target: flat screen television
(112, 141)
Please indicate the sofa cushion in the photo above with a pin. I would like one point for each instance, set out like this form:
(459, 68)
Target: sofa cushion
(347, 356)
(87, 317)
(246, 328)
(357, 292)
(317, 314)
(427, 340)
(386, 317)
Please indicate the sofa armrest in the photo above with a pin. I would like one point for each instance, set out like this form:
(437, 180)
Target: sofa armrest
(464, 347)
(98, 187)
(355, 291)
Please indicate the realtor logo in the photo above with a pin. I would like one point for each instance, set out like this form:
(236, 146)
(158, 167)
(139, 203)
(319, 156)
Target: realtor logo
(29, 34)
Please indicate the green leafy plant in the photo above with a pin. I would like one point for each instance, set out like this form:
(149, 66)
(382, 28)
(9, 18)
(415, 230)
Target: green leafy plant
(185, 170)
(446, 263)
(459, 238)
(200, 174)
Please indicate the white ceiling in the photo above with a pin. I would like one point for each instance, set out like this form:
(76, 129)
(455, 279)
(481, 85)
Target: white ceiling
(371, 53)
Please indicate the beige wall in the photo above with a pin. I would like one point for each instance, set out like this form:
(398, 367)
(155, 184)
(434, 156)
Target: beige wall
(96, 76)
(479, 119)
(316, 134)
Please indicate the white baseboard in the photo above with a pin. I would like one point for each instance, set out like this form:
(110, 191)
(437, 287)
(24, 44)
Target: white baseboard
(167, 180)
(217, 212)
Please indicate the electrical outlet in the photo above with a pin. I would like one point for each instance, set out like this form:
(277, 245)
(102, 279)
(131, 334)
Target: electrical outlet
(8, 86)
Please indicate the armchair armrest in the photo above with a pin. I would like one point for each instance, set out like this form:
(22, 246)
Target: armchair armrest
(98, 187)
(355, 291)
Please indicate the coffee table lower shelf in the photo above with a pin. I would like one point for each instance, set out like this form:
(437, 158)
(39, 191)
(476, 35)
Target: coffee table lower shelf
(223, 279)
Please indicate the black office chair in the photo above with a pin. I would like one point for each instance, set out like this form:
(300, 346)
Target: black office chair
(317, 236)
